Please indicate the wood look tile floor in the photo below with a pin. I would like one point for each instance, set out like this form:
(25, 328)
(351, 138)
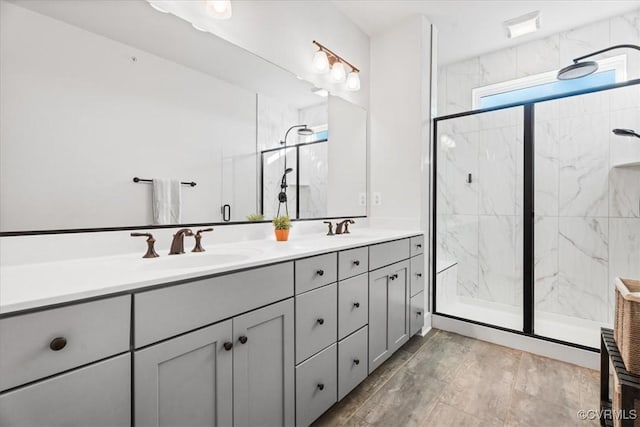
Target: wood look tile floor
(445, 379)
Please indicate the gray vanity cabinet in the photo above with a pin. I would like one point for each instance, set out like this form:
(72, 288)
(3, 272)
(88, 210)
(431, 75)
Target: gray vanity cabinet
(388, 311)
(186, 380)
(263, 367)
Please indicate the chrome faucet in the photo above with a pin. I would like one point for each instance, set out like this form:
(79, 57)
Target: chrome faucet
(342, 227)
(177, 245)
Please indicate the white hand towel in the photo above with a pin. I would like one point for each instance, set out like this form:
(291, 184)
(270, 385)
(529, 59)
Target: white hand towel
(167, 201)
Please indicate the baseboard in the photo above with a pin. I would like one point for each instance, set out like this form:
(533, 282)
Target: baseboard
(564, 353)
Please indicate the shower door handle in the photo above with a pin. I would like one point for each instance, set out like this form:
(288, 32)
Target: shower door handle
(226, 213)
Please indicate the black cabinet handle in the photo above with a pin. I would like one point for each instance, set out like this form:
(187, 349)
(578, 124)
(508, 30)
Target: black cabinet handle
(356, 361)
(393, 276)
(58, 343)
(320, 321)
(419, 313)
(320, 386)
(243, 339)
(228, 345)
(320, 272)
(356, 262)
(419, 274)
(418, 245)
(356, 304)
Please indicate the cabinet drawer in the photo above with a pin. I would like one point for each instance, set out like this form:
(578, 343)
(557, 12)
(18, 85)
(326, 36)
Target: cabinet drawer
(316, 320)
(316, 386)
(93, 331)
(96, 395)
(316, 271)
(388, 253)
(166, 312)
(352, 362)
(353, 303)
(417, 274)
(416, 317)
(417, 245)
(353, 262)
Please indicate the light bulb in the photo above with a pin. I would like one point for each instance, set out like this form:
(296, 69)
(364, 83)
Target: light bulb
(338, 72)
(320, 62)
(353, 81)
(219, 9)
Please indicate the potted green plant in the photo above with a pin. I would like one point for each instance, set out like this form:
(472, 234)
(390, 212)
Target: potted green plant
(255, 217)
(282, 225)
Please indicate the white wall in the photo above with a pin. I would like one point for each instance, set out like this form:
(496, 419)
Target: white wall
(400, 122)
(76, 110)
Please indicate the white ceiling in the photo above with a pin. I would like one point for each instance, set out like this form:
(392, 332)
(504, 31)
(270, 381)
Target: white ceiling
(472, 27)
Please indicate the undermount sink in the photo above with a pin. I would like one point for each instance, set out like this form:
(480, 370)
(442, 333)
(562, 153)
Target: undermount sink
(198, 260)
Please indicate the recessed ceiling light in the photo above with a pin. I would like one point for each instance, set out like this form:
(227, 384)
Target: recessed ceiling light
(320, 92)
(525, 24)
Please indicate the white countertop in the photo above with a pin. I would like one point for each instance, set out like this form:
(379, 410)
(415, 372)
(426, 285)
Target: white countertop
(30, 286)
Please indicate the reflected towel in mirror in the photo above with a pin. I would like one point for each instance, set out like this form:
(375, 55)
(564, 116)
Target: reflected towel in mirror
(167, 201)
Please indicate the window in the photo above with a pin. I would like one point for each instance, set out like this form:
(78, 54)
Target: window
(611, 70)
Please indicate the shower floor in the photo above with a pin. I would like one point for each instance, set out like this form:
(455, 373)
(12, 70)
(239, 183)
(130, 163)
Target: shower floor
(564, 328)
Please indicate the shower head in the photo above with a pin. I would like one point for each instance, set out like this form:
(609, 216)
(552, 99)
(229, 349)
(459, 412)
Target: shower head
(305, 131)
(288, 170)
(581, 69)
(577, 70)
(625, 132)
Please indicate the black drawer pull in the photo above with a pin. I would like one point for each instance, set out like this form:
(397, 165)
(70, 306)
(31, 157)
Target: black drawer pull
(356, 361)
(320, 386)
(419, 274)
(419, 313)
(356, 262)
(320, 321)
(228, 345)
(320, 272)
(393, 276)
(419, 245)
(58, 343)
(243, 339)
(356, 304)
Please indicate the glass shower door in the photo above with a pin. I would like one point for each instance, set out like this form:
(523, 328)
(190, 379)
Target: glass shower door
(479, 202)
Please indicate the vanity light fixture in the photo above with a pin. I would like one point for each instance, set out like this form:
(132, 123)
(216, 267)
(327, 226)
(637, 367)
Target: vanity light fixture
(219, 9)
(525, 24)
(341, 69)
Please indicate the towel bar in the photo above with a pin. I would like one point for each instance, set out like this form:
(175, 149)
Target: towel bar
(136, 179)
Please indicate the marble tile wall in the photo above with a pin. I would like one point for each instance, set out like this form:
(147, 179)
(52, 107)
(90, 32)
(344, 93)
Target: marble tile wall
(456, 80)
(587, 220)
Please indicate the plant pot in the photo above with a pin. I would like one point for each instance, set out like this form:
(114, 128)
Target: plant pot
(282, 235)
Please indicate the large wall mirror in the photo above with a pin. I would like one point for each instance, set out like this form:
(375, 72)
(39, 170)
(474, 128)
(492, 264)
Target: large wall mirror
(93, 94)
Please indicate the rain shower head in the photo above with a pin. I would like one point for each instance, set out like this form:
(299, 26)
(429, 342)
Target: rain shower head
(625, 132)
(581, 69)
(305, 131)
(577, 70)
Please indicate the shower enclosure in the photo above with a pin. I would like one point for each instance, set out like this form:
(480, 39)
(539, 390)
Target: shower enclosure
(537, 209)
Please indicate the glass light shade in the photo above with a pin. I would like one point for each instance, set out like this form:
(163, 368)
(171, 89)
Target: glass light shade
(353, 81)
(338, 72)
(219, 9)
(320, 62)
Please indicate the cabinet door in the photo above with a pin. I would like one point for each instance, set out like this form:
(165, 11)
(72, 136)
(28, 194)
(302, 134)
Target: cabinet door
(96, 395)
(186, 381)
(263, 367)
(388, 317)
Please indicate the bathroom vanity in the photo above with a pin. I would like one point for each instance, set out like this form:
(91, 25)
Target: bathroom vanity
(273, 337)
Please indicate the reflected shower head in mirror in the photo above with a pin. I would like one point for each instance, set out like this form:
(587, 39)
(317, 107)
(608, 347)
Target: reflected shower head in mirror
(282, 195)
(303, 130)
(626, 132)
(581, 69)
